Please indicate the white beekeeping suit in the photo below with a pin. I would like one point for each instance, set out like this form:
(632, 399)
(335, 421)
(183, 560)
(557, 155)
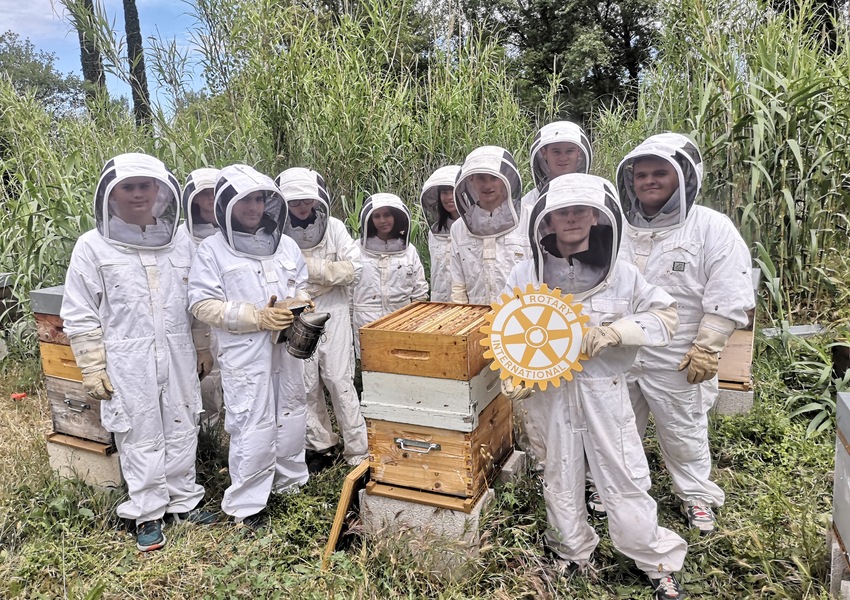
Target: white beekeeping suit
(333, 264)
(486, 242)
(699, 258)
(199, 183)
(575, 233)
(126, 311)
(392, 275)
(440, 215)
(578, 162)
(234, 276)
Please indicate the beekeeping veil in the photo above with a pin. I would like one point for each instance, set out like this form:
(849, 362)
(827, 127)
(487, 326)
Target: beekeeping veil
(571, 208)
(297, 184)
(144, 218)
(198, 181)
(432, 208)
(496, 162)
(685, 158)
(235, 183)
(559, 131)
(401, 224)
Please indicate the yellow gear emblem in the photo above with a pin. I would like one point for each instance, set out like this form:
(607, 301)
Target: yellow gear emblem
(534, 337)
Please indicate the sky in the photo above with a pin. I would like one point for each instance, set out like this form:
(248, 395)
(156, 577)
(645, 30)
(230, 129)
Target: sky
(46, 25)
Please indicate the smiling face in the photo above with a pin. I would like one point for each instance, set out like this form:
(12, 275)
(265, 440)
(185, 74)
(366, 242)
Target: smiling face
(132, 200)
(562, 158)
(447, 199)
(248, 211)
(655, 180)
(490, 189)
(301, 209)
(571, 226)
(383, 220)
(205, 201)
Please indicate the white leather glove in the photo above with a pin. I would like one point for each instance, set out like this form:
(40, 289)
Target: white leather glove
(515, 392)
(274, 318)
(296, 302)
(91, 359)
(328, 272)
(596, 339)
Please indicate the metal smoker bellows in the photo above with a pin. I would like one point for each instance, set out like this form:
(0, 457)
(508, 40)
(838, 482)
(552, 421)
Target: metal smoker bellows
(303, 335)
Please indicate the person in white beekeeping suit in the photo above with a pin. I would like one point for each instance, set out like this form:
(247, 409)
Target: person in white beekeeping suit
(438, 206)
(333, 264)
(559, 148)
(199, 220)
(700, 259)
(490, 237)
(575, 233)
(392, 276)
(244, 282)
(126, 312)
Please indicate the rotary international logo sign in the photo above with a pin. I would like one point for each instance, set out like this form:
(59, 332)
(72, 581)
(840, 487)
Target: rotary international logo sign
(535, 336)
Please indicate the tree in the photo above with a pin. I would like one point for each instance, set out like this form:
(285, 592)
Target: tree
(136, 57)
(596, 49)
(32, 71)
(90, 58)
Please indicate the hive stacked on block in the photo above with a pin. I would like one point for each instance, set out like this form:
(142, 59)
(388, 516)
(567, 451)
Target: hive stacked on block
(78, 445)
(436, 419)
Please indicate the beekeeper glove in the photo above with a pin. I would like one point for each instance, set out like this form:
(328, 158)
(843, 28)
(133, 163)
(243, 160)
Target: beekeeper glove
(459, 295)
(330, 272)
(623, 332)
(702, 359)
(296, 302)
(515, 392)
(201, 339)
(91, 359)
(242, 317)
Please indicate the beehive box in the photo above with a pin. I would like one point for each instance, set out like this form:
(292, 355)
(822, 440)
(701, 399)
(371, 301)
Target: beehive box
(429, 401)
(440, 460)
(72, 411)
(734, 366)
(426, 339)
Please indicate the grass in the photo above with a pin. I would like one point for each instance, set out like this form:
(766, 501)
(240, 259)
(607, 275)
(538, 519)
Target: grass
(61, 539)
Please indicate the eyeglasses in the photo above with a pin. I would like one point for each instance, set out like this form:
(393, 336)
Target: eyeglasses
(306, 201)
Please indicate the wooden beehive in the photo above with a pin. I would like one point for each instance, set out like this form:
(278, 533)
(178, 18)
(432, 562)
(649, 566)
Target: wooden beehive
(440, 460)
(426, 339)
(734, 366)
(72, 411)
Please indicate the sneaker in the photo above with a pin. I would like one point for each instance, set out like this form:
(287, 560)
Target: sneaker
(196, 516)
(700, 517)
(594, 504)
(319, 461)
(667, 588)
(255, 522)
(149, 536)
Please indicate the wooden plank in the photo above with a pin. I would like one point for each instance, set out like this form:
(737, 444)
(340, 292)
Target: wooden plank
(74, 412)
(436, 500)
(736, 360)
(355, 480)
(428, 401)
(58, 361)
(80, 444)
(50, 329)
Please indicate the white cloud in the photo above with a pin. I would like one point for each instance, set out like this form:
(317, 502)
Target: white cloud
(38, 20)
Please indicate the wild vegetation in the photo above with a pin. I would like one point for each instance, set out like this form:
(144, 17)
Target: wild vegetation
(376, 94)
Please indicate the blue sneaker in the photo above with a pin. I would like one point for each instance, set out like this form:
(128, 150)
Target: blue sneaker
(149, 536)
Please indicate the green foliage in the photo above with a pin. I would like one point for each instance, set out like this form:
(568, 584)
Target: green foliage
(596, 49)
(772, 126)
(34, 72)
